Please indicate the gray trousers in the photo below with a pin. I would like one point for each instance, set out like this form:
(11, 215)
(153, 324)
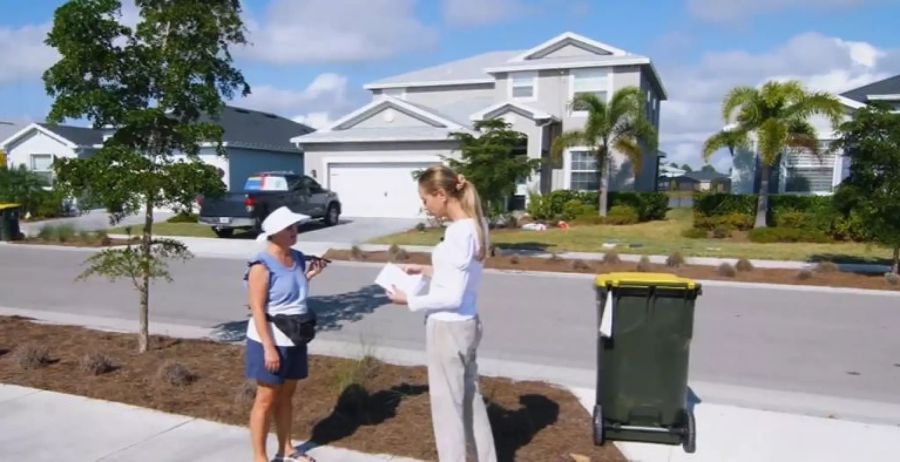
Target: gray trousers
(461, 427)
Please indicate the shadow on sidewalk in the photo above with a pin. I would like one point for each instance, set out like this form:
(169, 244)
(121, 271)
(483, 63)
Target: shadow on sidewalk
(332, 312)
(514, 429)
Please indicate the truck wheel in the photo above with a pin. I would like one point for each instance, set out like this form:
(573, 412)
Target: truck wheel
(333, 215)
(224, 233)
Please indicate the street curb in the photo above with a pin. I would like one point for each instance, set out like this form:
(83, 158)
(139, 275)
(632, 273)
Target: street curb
(808, 404)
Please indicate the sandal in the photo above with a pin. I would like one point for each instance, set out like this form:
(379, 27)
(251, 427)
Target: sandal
(295, 457)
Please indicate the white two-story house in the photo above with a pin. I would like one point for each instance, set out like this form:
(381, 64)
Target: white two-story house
(368, 156)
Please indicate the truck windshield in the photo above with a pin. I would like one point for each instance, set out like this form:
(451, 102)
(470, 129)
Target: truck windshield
(266, 183)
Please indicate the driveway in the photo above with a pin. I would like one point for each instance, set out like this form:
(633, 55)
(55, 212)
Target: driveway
(355, 230)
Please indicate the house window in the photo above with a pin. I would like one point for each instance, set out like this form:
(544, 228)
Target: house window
(523, 85)
(590, 81)
(42, 165)
(582, 171)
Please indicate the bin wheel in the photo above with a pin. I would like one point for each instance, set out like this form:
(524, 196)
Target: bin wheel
(689, 442)
(598, 425)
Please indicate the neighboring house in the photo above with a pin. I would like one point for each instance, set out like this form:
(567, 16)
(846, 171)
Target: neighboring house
(704, 180)
(369, 156)
(253, 141)
(800, 172)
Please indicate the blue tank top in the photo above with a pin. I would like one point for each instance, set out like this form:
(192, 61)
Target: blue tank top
(288, 287)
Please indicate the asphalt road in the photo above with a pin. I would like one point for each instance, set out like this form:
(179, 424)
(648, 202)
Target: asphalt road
(836, 344)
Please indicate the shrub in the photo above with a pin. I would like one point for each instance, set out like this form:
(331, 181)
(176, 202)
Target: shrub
(396, 253)
(591, 219)
(770, 235)
(575, 209)
(721, 232)
(47, 233)
(580, 265)
(514, 259)
(65, 233)
(356, 253)
(97, 364)
(32, 355)
(694, 233)
(183, 217)
(675, 260)
(730, 221)
(622, 215)
(795, 219)
(48, 204)
(420, 227)
(176, 374)
(827, 267)
(644, 266)
(562, 204)
(804, 275)
(743, 265)
(611, 257)
(725, 269)
(892, 279)
(715, 204)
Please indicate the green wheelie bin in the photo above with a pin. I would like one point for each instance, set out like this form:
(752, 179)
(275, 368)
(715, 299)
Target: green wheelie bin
(9, 222)
(642, 358)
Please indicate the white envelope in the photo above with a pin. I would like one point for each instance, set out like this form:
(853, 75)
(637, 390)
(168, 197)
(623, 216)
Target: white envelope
(393, 276)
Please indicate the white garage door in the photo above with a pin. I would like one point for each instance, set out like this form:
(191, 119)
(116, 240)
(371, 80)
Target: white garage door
(377, 190)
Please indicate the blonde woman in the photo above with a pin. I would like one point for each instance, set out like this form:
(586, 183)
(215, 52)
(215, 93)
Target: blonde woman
(453, 329)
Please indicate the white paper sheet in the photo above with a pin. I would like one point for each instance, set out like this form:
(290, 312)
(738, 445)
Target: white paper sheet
(606, 327)
(392, 275)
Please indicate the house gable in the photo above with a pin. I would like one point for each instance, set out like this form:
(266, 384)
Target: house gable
(569, 45)
(391, 112)
(508, 107)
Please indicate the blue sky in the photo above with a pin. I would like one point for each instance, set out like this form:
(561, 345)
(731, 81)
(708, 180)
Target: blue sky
(310, 58)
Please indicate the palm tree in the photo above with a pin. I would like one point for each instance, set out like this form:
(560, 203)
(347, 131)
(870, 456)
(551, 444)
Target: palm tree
(777, 116)
(619, 124)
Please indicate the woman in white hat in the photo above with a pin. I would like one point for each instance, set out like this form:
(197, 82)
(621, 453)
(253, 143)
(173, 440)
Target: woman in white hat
(277, 333)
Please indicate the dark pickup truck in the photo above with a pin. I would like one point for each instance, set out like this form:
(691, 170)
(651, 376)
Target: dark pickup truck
(263, 193)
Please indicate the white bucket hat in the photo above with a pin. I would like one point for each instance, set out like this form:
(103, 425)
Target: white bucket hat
(277, 221)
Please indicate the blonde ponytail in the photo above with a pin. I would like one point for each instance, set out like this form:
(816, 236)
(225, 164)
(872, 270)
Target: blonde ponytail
(471, 204)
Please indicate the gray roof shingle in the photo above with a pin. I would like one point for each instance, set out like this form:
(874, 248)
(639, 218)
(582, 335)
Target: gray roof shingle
(888, 86)
(81, 136)
(462, 69)
(257, 130)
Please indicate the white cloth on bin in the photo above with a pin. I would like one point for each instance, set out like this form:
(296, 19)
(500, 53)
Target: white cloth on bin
(606, 322)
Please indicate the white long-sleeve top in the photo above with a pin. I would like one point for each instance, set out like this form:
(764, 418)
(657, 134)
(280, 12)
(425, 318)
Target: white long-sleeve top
(453, 292)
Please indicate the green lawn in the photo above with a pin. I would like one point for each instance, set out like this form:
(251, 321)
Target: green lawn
(657, 238)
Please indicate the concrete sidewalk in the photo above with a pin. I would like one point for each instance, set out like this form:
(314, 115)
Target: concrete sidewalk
(40, 426)
(738, 434)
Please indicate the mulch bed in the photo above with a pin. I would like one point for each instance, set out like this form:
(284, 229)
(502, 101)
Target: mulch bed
(364, 405)
(761, 275)
(108, 242)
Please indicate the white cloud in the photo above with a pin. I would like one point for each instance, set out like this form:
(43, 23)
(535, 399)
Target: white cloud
(822, 63)
(731, 10)
(480, 12)
(325, 99)
(23, 54)
(303, 31)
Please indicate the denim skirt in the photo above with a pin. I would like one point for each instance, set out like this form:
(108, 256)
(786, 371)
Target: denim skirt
(294, 363)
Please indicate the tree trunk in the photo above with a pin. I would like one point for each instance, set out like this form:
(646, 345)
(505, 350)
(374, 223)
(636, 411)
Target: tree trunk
(604, 185)
(896, 267)
(143, 316)
(762, 204)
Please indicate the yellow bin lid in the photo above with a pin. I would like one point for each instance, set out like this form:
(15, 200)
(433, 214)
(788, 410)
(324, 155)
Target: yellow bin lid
(644, 280)
(8, 206)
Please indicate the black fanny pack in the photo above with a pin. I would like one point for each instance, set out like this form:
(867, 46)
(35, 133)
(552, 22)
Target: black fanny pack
(300, 328)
